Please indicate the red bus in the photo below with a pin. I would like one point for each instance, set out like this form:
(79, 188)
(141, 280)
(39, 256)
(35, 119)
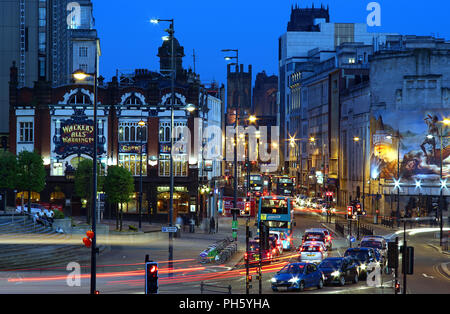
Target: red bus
(228, 204)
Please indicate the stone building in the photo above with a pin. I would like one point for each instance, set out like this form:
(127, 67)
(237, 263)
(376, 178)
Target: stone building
(57, 122)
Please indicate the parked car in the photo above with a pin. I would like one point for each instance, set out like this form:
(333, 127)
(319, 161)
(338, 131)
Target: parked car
(339, 270)
(297, 276)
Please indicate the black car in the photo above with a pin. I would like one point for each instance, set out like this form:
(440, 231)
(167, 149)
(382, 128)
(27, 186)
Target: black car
(364, 257)
(339, 270)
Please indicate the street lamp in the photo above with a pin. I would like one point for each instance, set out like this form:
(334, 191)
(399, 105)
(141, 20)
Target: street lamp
(397, 181)
(356, 139)
(80, 75)
(171, 32)
(236, 122)
(445, 122)
(142, 125)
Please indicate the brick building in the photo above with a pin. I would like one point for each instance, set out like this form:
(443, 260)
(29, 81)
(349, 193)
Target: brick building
(57, 122)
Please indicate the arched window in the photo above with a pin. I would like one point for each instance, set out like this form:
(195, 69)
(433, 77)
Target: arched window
(121, 134)
(127, 134)
(79, 99)
(133, 100)
(133, 134)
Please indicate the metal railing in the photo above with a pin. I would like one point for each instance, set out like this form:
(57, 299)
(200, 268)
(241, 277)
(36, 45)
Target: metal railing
(205, 287)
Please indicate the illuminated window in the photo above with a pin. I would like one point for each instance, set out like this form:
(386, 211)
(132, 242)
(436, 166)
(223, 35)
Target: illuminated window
(132, 162)
(26, 132)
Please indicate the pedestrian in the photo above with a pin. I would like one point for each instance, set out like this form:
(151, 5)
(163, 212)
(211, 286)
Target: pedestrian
(192, 225)
(212, 225)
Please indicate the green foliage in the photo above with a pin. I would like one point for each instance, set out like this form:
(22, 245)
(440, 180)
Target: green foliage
(30, 172)
(119, 185)
(83, 179)
(8, 170)
(58, 214)
(132, 228)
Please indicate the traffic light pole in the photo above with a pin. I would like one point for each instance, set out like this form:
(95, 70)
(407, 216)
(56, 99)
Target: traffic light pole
(404, 257)
(247, 233)
(260, 258)
(350, 233)
(94, 249)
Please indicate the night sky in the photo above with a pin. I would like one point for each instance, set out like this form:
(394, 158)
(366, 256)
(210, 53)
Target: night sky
(129, 40)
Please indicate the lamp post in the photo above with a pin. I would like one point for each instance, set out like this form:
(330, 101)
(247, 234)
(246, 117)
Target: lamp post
(356, 139)
(80, 75)
(236, 126)
(170, 31)
(142, 125)
(446, 122)
(397, 182)
(236, 121)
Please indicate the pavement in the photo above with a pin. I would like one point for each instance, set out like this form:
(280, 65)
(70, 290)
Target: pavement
(201, 238)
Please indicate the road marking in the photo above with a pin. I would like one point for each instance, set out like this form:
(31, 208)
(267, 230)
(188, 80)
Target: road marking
(426, 276)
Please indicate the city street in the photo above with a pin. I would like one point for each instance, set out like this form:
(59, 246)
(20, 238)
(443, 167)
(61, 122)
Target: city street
(121, 270)
(155, 147)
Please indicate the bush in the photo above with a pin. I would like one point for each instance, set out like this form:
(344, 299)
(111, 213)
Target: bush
(58, 214)
(133, 228)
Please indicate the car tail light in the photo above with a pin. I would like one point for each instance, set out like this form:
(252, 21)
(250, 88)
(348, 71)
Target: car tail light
(273, 251)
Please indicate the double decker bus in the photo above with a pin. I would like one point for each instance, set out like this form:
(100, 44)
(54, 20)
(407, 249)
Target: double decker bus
(277, 214)
(259, 184)
(283, 185)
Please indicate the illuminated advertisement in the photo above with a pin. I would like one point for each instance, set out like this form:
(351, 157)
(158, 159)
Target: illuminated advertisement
(76, 136)
(415, 142)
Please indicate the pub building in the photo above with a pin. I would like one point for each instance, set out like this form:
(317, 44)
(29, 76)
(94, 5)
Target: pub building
(57, 122)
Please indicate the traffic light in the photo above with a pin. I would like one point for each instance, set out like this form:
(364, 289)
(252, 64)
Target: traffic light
(349, 212)
(151, 277)
(408, 259)
(392, 254)
(397, 287)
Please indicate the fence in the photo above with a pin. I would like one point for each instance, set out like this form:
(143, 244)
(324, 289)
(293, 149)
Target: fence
(224, 289)
(365, 229)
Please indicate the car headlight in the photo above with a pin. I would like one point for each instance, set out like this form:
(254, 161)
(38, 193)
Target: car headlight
(363, 266)
(293, 279)
(273, 280)
(335, 273)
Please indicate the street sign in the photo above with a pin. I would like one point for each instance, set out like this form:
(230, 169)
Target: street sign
(169, 229)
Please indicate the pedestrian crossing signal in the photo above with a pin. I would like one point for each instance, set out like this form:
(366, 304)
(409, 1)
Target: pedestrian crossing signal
(151, 277)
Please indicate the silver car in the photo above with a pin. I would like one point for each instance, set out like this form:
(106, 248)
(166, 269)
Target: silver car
(312, 252)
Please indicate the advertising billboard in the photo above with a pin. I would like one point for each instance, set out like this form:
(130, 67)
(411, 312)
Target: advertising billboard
(416, 142)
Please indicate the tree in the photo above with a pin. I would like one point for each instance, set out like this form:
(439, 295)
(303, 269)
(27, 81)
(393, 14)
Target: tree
(83, 183)
(8, 171)
(119, 185)
(30, 173)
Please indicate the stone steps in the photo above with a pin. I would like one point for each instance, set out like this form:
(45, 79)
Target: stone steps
(26, 256)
